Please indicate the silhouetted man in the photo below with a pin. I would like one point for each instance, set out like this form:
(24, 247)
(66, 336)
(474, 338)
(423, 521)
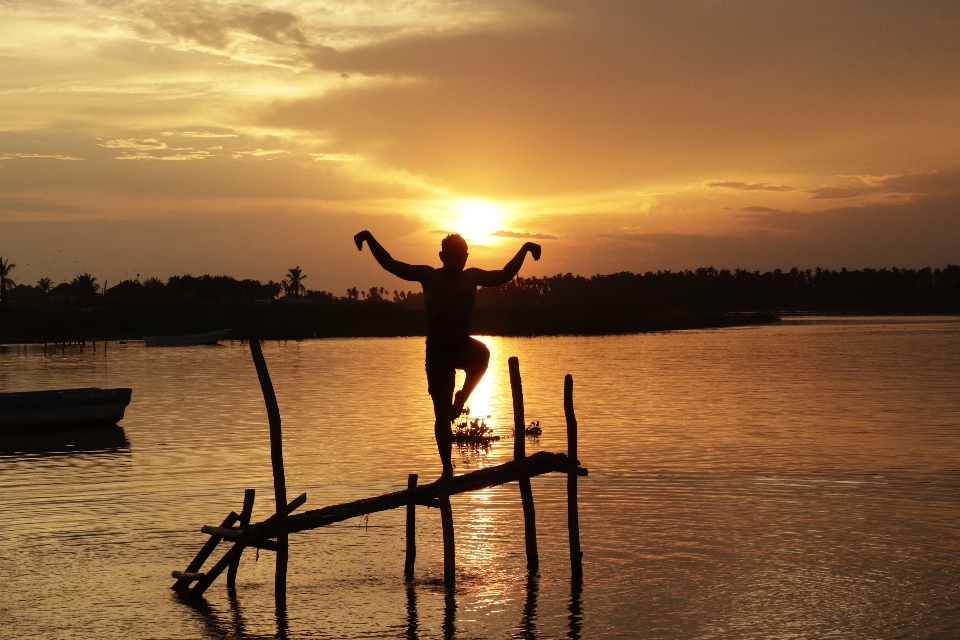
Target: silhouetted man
(449, 294)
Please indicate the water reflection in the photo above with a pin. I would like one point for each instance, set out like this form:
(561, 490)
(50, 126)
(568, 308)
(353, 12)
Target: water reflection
(413, 620)
(64, 441)
(576, 608)
(449, 615)
(528, 622)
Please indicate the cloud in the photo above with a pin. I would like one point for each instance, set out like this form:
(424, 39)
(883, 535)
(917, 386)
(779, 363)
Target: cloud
(745, 186)
(761, 210)
(134, 143)
(516, 234)
(256, 153)
(913, 184)
(55, 156)
(199, 134)
(176, 157)
(337, 157)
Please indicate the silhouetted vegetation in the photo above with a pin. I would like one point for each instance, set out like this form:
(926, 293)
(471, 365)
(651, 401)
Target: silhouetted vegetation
(560, 304)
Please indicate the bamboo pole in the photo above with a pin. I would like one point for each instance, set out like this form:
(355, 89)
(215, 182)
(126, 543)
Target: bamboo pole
(449, 546)
(248, 497)
(254, 534)
(276, 459)
(538, 464)
(204, 553)
(573, 516)
(519, 453)
(411, 555)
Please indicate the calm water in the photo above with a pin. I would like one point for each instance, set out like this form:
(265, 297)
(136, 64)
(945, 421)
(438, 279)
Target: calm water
(790, 481)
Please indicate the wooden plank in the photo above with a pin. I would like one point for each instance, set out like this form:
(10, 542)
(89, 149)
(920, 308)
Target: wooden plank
(204, 553)
(255, 534)
(276, 460)
(188, 577)
(519, 453)
(573, 515)
(411, 551)
(248, 497)
(538, 464)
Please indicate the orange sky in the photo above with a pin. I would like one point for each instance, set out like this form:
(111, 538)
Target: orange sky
(160, 138)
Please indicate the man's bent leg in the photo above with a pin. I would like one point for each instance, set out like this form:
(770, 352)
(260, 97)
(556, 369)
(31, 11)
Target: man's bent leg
(474, 364)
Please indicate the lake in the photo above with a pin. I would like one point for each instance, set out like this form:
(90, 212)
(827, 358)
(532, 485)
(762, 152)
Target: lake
(795, 480)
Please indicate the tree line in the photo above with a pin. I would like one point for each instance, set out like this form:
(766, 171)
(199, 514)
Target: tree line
(700, 290)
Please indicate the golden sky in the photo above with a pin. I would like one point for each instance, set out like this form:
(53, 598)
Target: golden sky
(161, 138)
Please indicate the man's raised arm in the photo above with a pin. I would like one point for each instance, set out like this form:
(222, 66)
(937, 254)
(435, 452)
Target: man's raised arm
(400, 269)
(512, 268)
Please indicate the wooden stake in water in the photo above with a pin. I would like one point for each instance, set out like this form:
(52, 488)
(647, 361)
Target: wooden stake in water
(573, 516)
(276, 458)
(519, 453)
(411, 558)
(449, 547)
(248, 497)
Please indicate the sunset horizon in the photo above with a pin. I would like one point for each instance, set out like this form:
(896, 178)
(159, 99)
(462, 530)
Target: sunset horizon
(242, 139)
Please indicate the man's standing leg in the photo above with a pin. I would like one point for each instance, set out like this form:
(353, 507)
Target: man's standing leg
(441, 380)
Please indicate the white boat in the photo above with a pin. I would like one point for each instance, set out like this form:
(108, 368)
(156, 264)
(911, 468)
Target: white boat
(63, 407)
(189, 340)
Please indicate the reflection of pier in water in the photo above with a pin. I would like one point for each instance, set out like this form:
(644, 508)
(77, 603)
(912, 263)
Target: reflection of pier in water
(273, 533)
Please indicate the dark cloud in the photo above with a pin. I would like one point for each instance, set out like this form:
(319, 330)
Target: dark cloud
(916, 184)
(744, 186)
(616, 90)
(761, 210)
(516, 234)
(911, 234)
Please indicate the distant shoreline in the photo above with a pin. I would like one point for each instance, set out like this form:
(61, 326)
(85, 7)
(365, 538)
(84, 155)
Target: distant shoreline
(290, 322)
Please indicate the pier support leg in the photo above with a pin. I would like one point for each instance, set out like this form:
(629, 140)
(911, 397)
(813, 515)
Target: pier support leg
(573, 514)
(276, 458)
(411, 556)
(519, 453)
(181, 585)
(248, 497)
(449, 548)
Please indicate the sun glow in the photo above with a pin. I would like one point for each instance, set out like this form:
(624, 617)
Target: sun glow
(476, 219)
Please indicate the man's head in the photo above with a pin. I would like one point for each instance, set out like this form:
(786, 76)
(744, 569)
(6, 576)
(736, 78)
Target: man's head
(453, 252)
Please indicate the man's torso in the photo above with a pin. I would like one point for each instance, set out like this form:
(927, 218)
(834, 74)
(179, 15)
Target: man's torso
(449, 298)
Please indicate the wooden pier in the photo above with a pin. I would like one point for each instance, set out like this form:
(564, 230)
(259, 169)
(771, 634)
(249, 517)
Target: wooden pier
(273, 533)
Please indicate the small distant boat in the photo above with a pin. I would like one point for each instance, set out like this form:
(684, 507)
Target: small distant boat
(189, 340)
(63, 407)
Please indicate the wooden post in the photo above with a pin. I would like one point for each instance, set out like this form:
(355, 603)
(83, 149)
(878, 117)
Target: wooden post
(411, 531)
(252, 535)
(573, 516)
(449, 548)
(248, 497)
(519, 453)
(204, 553)
(276, 458)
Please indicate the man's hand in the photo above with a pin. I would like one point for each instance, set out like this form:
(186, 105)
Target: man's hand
(534, 249)
(360, 237)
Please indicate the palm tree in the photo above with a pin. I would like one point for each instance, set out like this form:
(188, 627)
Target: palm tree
(45, 284)
(86, 285)
(293, 283)
(5, 280)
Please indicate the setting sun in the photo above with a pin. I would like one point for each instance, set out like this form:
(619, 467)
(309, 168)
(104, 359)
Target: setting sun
(476, 219)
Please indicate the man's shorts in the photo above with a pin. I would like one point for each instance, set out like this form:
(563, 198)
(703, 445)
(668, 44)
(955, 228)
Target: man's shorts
(444, 357)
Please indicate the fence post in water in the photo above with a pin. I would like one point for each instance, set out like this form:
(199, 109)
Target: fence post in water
(276, 458)
(519, 453)
(411, 531)
(248, 497)
(573, 516)
(449, 548)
